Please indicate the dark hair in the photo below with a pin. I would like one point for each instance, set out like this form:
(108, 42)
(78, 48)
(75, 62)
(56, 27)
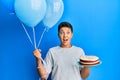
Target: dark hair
(65, 24)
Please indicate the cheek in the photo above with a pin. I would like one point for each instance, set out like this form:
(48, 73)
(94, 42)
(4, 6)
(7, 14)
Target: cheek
(70, 36)
(60, 37)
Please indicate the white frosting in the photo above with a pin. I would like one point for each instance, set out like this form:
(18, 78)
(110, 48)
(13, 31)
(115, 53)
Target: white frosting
(89, 58)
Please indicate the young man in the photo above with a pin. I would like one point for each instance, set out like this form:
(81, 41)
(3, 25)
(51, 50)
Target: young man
(62, 60)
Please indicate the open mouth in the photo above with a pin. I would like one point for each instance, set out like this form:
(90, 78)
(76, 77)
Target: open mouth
(65, 40)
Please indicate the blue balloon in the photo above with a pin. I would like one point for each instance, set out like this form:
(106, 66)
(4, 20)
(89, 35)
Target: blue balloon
(30, 12)
(9, 4)
(54, 12)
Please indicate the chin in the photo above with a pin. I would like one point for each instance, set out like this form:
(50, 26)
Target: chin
(64, 44)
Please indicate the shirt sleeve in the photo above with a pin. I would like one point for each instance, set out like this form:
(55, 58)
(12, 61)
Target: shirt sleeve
(48, 62)
(82, 54)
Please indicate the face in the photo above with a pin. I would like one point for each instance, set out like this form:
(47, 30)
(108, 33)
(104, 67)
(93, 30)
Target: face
(65, 36)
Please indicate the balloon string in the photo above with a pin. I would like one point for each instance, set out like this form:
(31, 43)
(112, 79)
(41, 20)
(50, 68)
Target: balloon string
(34, 38)
(27, 33)
(41, 37)
(44, 64)
(43, 61)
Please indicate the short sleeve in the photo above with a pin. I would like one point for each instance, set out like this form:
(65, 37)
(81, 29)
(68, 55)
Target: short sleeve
(82, 54)
(48, 61)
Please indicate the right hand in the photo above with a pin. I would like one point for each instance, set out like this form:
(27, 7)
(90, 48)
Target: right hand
(37, 53)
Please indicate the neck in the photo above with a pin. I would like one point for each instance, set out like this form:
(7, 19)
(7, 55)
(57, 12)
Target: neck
(66, 46)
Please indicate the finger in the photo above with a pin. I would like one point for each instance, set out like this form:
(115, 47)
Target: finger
(36, 51)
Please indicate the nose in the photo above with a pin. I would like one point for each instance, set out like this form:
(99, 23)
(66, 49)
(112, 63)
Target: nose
(65, 34)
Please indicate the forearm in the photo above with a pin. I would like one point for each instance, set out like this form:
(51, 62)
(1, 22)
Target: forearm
(85, 72)
(41, 69)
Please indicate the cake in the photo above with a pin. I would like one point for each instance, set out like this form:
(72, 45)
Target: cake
(89, 60)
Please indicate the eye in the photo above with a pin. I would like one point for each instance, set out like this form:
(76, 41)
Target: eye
(61, 33)
(68, 32)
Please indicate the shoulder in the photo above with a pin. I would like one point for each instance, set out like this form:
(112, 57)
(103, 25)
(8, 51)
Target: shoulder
(53, 49)
(77, 48)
